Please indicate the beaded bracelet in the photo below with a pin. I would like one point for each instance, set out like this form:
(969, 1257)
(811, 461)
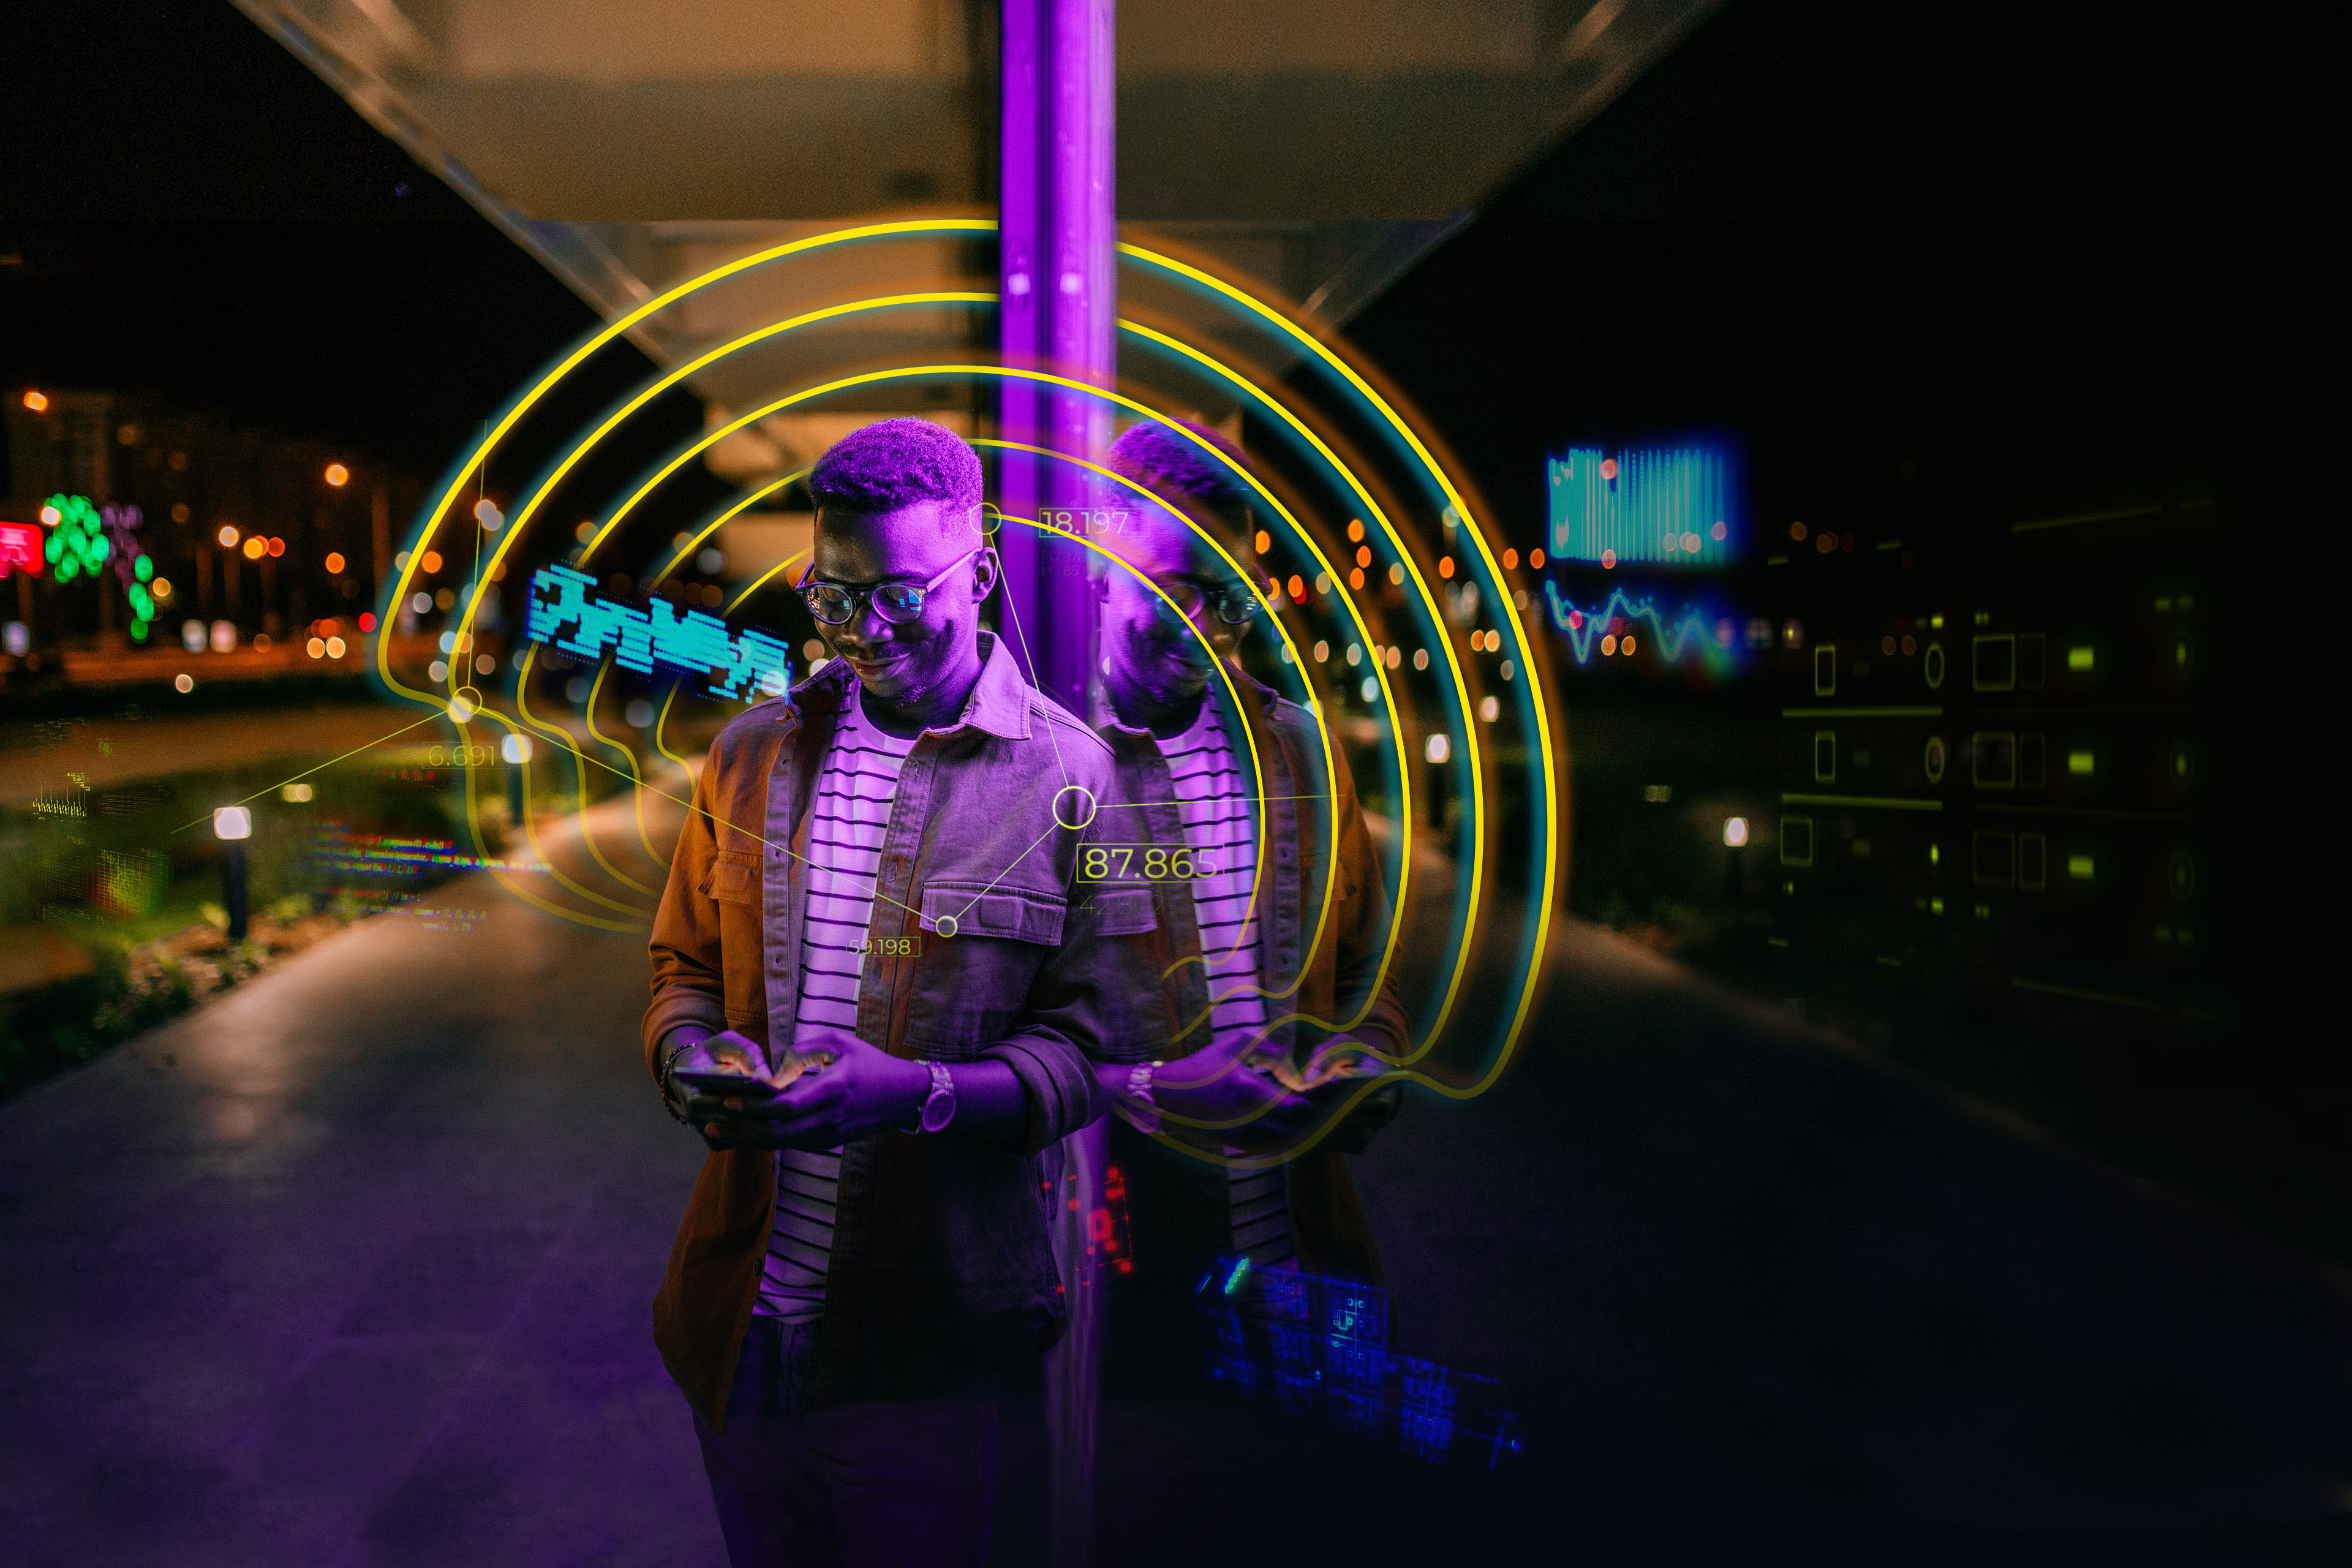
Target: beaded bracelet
(668, 1062)
(1142, 1109)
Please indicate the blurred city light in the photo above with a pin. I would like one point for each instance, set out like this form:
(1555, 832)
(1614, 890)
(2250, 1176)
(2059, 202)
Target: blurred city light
(1438, 747)
(227, 537)
(516, 749)
(338, 475)
(334, 647)
(183, 684)
(1735, 831)
(38, 402)
(232, 822)
(486, 513)
(335, 560)
(224, 636)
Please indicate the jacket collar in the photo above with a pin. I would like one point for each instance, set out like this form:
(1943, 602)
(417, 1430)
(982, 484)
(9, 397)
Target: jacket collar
(999, 702)
(1257, 700)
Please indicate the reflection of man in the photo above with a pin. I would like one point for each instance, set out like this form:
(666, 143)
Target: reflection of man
(1244, 948)
(865, 1266)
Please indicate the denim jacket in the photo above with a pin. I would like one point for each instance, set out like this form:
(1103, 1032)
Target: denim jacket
(1317, 964)
(941, 1264)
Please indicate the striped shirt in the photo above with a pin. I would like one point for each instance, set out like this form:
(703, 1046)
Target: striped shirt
(851, 812)
(1214, 796)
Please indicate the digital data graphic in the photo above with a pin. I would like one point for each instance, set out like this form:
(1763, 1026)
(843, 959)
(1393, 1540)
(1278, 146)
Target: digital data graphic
(1393, 621)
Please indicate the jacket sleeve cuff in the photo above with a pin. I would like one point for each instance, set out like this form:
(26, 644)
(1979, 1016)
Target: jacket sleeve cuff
(1059, 1084)
(676, 1005)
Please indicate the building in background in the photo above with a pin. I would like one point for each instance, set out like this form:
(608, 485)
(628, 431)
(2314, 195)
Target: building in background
(254, 532)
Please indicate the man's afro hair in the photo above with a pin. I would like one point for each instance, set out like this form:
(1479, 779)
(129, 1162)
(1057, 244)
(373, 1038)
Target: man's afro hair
(896, 463)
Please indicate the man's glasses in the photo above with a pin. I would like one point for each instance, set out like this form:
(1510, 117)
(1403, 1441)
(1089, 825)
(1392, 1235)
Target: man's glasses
(838, 603)
(1235, 604)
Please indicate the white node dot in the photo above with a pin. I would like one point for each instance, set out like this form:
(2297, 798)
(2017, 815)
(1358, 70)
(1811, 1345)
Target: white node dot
(1082, 807)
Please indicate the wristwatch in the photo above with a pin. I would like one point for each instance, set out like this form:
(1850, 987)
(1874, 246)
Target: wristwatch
(939, 1106)
(1142, 1109)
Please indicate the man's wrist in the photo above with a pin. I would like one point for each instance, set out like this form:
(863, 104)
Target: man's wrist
(921, 1080)
(674, 1044)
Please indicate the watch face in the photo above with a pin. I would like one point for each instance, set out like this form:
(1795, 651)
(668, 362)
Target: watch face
(938, 1110)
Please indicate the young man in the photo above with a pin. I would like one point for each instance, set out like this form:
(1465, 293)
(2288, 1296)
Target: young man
(1239, 955)
(874, 887)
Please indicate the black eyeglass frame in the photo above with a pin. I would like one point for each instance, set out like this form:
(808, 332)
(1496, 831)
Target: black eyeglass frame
(1217, 599)
(862, 594)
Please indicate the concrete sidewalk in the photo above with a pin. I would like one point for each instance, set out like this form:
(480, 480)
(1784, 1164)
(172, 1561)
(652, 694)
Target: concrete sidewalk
(354, 1266)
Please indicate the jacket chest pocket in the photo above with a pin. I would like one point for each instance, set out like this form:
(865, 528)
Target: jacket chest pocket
(982, 947)
(733, 886)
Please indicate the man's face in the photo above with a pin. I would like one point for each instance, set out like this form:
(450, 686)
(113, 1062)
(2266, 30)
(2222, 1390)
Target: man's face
(1151, 643)
(901, 663)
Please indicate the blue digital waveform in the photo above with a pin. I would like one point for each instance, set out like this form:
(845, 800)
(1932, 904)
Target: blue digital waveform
(569, 615)
(1672, 637)
(1671, 506)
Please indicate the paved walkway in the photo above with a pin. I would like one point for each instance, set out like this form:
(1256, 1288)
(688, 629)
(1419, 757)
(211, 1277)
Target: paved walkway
(352, 1266)
(109, 752)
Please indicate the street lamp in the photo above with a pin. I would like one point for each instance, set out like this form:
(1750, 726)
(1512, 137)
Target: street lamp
(516, 750)
(233, 824)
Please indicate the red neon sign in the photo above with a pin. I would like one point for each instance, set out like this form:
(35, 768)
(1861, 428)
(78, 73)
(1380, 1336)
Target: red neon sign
(20, 545)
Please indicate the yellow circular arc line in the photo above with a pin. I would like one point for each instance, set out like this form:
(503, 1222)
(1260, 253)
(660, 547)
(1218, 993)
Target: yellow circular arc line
(725, 517)
(580, 771)
(664, 383)
(710, 438)
(1257, 769)
(491, 438)
(1538, 710)
(773, 330)
(506, 879)
(1465, 937)
(694, 449)
(1223, 674)
(636, 780)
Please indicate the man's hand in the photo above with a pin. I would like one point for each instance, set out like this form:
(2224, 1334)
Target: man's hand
(1241, 1105)
(1255, 1104)
(862, 1091)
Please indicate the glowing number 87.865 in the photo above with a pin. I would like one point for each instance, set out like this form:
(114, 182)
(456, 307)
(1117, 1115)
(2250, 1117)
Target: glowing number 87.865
(1139, 863)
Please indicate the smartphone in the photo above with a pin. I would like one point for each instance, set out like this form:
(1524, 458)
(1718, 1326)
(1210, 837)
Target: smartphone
(725, 1084)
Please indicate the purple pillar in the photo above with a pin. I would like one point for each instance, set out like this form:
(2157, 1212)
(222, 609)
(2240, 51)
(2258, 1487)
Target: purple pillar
(1057, 278)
